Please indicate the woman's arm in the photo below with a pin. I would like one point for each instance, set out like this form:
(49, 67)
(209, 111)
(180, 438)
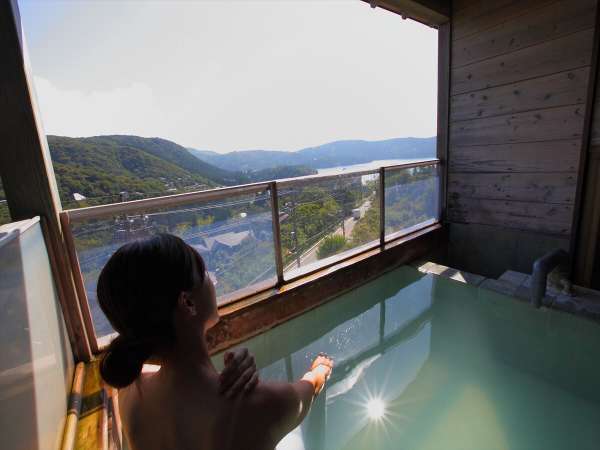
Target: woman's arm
(289, 403)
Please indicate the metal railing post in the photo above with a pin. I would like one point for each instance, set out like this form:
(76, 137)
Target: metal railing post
(439, 173)
(381, 206)
(276, 232)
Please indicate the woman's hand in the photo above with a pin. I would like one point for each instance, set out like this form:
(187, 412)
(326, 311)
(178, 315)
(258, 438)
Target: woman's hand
(239, 374)
(320, 371)
(323, 364)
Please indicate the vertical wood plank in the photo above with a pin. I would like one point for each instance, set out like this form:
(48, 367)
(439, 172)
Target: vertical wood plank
(26, 168)
(443, 116)
(78, 280)
(276, 232)
(587, 201)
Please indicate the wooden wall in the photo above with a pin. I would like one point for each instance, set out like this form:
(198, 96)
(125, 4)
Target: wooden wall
(520, 73)
(587, 267)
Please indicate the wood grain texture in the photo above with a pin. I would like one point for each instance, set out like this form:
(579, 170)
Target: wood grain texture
(520, 75)
(552, 156)
(565, 88)
(582, 208)
(443, 108)
(471, 247)
(536, 26)
(476, 16)
(458, 5)
(556, 188)
(559, 55)
(587, 254)
(534, 216)
(595, 131)
(565, 122)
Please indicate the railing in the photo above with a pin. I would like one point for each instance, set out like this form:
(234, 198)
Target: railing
(259, 236)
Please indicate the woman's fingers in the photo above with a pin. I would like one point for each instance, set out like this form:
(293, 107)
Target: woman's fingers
(232, 361)
(322, 360)
(250, 385)
(241, 382)
(239, 363)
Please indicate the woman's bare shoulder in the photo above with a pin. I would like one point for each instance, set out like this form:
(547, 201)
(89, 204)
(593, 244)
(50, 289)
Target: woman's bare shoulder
(277, 402)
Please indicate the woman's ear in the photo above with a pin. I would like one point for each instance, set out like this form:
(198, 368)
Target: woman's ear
(186, 303)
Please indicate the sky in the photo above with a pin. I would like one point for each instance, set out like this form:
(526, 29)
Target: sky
(231, 75)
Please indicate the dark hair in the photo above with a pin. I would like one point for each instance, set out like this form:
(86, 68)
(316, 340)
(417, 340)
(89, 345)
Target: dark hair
(138, 290)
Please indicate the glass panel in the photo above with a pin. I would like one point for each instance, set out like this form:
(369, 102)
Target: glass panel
(411, 199)
(36, 360)
(4, 213)
(234, 235)
(322, 219)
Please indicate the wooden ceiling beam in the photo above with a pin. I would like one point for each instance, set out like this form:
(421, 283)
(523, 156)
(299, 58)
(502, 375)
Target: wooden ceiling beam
(433, 13)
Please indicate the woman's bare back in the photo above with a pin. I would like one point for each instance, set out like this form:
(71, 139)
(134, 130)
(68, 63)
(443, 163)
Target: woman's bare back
(160, 414)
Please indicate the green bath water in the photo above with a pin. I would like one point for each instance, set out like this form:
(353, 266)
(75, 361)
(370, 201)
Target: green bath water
(423, 362)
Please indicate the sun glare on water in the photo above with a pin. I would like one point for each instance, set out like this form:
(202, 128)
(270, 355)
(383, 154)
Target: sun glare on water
(375, 409)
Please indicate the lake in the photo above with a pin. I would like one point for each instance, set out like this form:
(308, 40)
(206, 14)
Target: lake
(365, 166)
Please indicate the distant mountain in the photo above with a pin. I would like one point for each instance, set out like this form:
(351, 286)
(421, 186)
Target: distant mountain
(101, 167)
(106, 165)
(339, 153)
(176, 154)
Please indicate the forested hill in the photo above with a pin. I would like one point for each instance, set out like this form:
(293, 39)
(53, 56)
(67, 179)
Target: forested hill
(105, 165)
(339, 153)
(102, 166)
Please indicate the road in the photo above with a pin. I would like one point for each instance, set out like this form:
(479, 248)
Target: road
(310, 256)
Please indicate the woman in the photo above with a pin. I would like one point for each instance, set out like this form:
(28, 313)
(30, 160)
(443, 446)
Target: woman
(157, 294)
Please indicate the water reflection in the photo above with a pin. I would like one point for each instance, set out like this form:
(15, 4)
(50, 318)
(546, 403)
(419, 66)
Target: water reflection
(427, 363)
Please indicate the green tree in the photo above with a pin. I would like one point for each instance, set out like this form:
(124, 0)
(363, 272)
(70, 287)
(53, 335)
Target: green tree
(331, 245)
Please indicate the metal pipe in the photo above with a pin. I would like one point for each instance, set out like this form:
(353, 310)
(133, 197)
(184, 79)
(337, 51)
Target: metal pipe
(439, 174)
(425, 163)
(541, 268)
(95, 212)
